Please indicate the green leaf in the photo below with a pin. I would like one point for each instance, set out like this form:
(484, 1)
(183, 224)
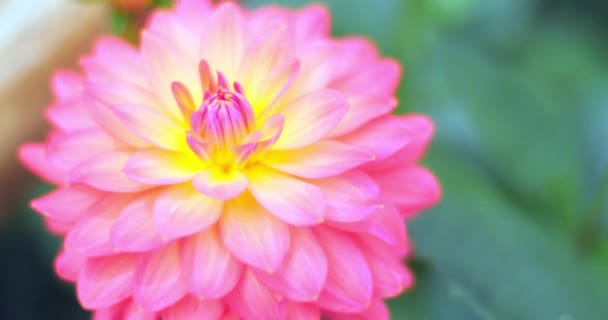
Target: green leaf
(434, 297)
(488, 257)
(163, 3)
(119, 22)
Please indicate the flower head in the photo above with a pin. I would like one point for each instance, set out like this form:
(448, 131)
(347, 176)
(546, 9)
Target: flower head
(238, 165)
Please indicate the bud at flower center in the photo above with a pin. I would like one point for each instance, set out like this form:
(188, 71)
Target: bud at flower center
(223, 121)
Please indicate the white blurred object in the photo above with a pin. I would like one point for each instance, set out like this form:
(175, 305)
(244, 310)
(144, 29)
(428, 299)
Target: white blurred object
(29, 28)
(37, 37)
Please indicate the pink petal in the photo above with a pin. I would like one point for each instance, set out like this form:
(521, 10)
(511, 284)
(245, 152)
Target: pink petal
(176, 32)
(390, 276)
(152, 126)
(102, 72)
(273, 87)
(184, 99)
(362, 110)
(68, 150)
(349, 283)
(115, 59)
(266, 18)
(295, 278)
(105, 171)
(57, 227)
(253, 235)
(106, 119)
(319, 160)
(230, 315)
(221, 185)
(319, 60)
(165, 61)
(161, 167)
(253, 301)
(311, 23)
(310, 118)
(79, 197)
(68, 265)
(70, 115)
(181, 210)
(303, 311)
(271, 130)
(288, 198)
(376, 311)
(91, 234)
(268, 52)
(411, 188)
(353, 196)
(379, 77)
(421, 132)
(134, 230)
(133, 311)
(111, 313)
(112, 91)
(115, 92)
(105, 281)
(33, 157)
(158, 281)
(193, 12)
(66, 84)
(193, 308)
(329, 64)
(247, 148)
(224, 43)
(201, 148)
(383, 136)
(386, 224)
(209, 269)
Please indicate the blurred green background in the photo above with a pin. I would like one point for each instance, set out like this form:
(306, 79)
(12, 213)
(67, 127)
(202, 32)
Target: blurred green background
(519, 93)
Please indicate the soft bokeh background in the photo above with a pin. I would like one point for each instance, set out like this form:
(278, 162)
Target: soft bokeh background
(519, 93)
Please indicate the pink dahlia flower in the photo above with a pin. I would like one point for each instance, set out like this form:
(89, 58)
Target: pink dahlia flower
(238, 165)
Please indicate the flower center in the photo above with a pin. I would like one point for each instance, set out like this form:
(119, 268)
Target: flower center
(223, 128)
(224, 119)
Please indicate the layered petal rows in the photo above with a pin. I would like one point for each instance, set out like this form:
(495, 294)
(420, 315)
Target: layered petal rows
(239, 164)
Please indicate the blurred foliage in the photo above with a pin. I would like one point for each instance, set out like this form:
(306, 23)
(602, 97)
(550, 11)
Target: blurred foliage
(519, 93)
(127, 20)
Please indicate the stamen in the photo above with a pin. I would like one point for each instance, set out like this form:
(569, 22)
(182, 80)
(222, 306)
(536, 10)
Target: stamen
(239, 89)
(184, 99)
(207, 81)
(199, 147)
(222, 82)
